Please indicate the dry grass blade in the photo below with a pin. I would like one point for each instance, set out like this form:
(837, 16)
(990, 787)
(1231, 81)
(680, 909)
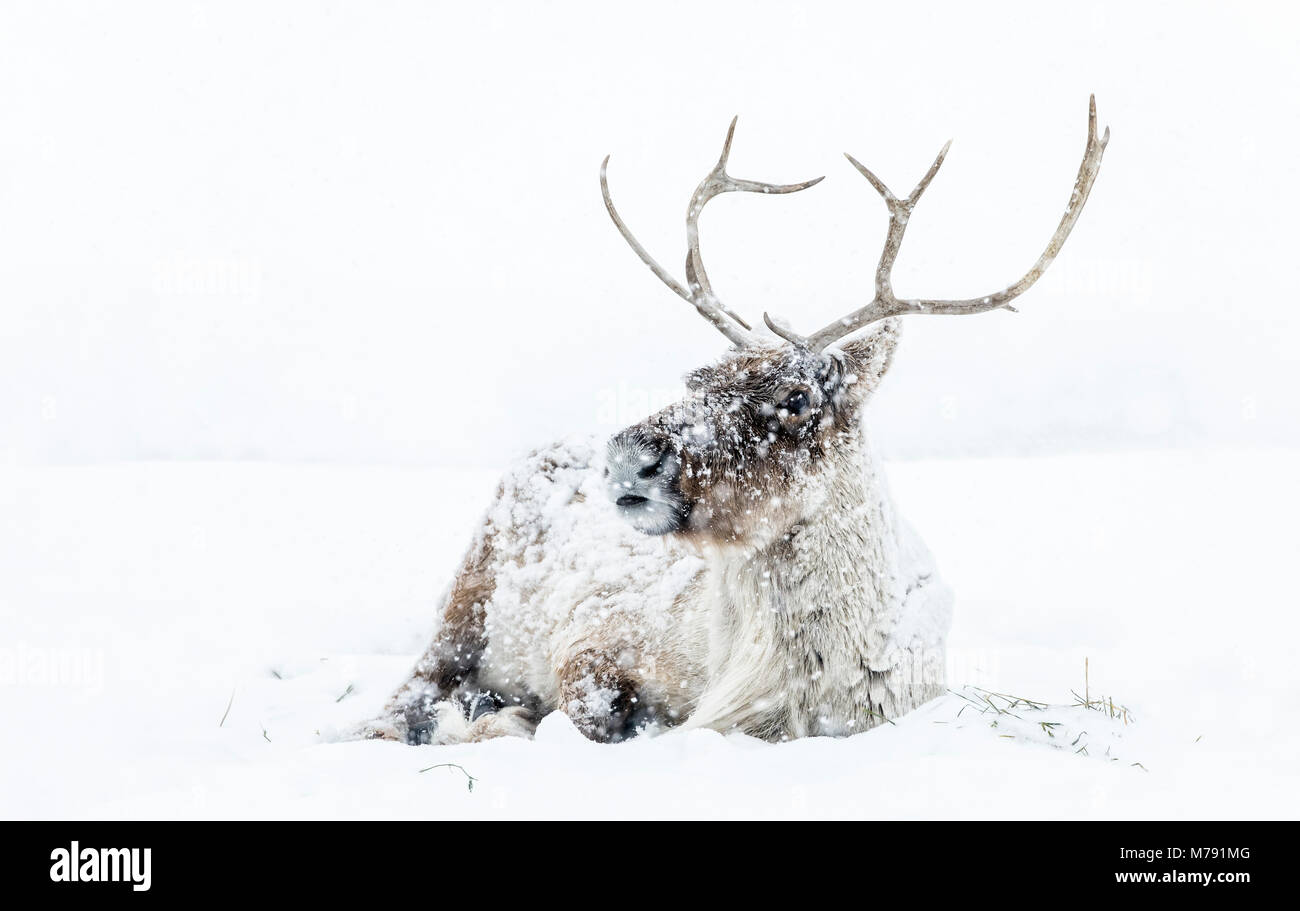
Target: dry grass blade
(880, 716)
(469, 779)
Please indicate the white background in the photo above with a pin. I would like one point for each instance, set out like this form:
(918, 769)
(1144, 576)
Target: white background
(373, 232)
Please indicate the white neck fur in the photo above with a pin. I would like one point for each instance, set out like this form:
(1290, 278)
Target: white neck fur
(799, 629)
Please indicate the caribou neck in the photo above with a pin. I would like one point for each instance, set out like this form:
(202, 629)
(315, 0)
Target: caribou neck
(787, 617)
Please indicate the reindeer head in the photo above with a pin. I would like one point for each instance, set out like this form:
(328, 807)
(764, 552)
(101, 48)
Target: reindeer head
(739, 454)
(735, 456)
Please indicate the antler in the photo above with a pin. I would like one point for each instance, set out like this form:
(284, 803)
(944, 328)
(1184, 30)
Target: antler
(698, 291)
(885, 304)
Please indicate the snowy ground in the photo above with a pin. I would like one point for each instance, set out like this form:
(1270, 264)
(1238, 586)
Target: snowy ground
(136, 598)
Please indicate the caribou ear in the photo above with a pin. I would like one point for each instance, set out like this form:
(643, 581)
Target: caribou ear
(869, 357)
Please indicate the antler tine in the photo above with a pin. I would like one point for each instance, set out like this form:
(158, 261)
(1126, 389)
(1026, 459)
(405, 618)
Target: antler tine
(715, 183)
(900, 211)
(698, 290)
(885, 304)
(628, 236)
(929, 175)
(715, 315)
(885, 193)
(785, 332)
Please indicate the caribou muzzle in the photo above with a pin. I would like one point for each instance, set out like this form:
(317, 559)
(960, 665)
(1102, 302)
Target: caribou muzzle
(641, 478)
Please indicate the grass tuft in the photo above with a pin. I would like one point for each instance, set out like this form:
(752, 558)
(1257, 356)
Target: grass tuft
(1009, 706)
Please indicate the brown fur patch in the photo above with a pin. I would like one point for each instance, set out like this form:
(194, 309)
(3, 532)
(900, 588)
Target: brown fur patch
(450, 662)
(600, 696)
(455, 651)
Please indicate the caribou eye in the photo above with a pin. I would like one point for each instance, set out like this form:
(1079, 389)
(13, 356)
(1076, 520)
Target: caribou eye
(796, 403)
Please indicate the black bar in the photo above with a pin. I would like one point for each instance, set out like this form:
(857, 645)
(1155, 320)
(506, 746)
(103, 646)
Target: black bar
(603, 861)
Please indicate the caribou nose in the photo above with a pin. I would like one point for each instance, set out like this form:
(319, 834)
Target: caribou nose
(638, 463)
(642, 470)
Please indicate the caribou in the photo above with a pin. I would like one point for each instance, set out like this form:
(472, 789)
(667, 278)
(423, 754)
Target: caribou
(733, 562)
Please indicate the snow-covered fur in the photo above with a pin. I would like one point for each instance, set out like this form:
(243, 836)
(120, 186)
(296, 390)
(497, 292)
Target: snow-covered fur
(734, 562)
